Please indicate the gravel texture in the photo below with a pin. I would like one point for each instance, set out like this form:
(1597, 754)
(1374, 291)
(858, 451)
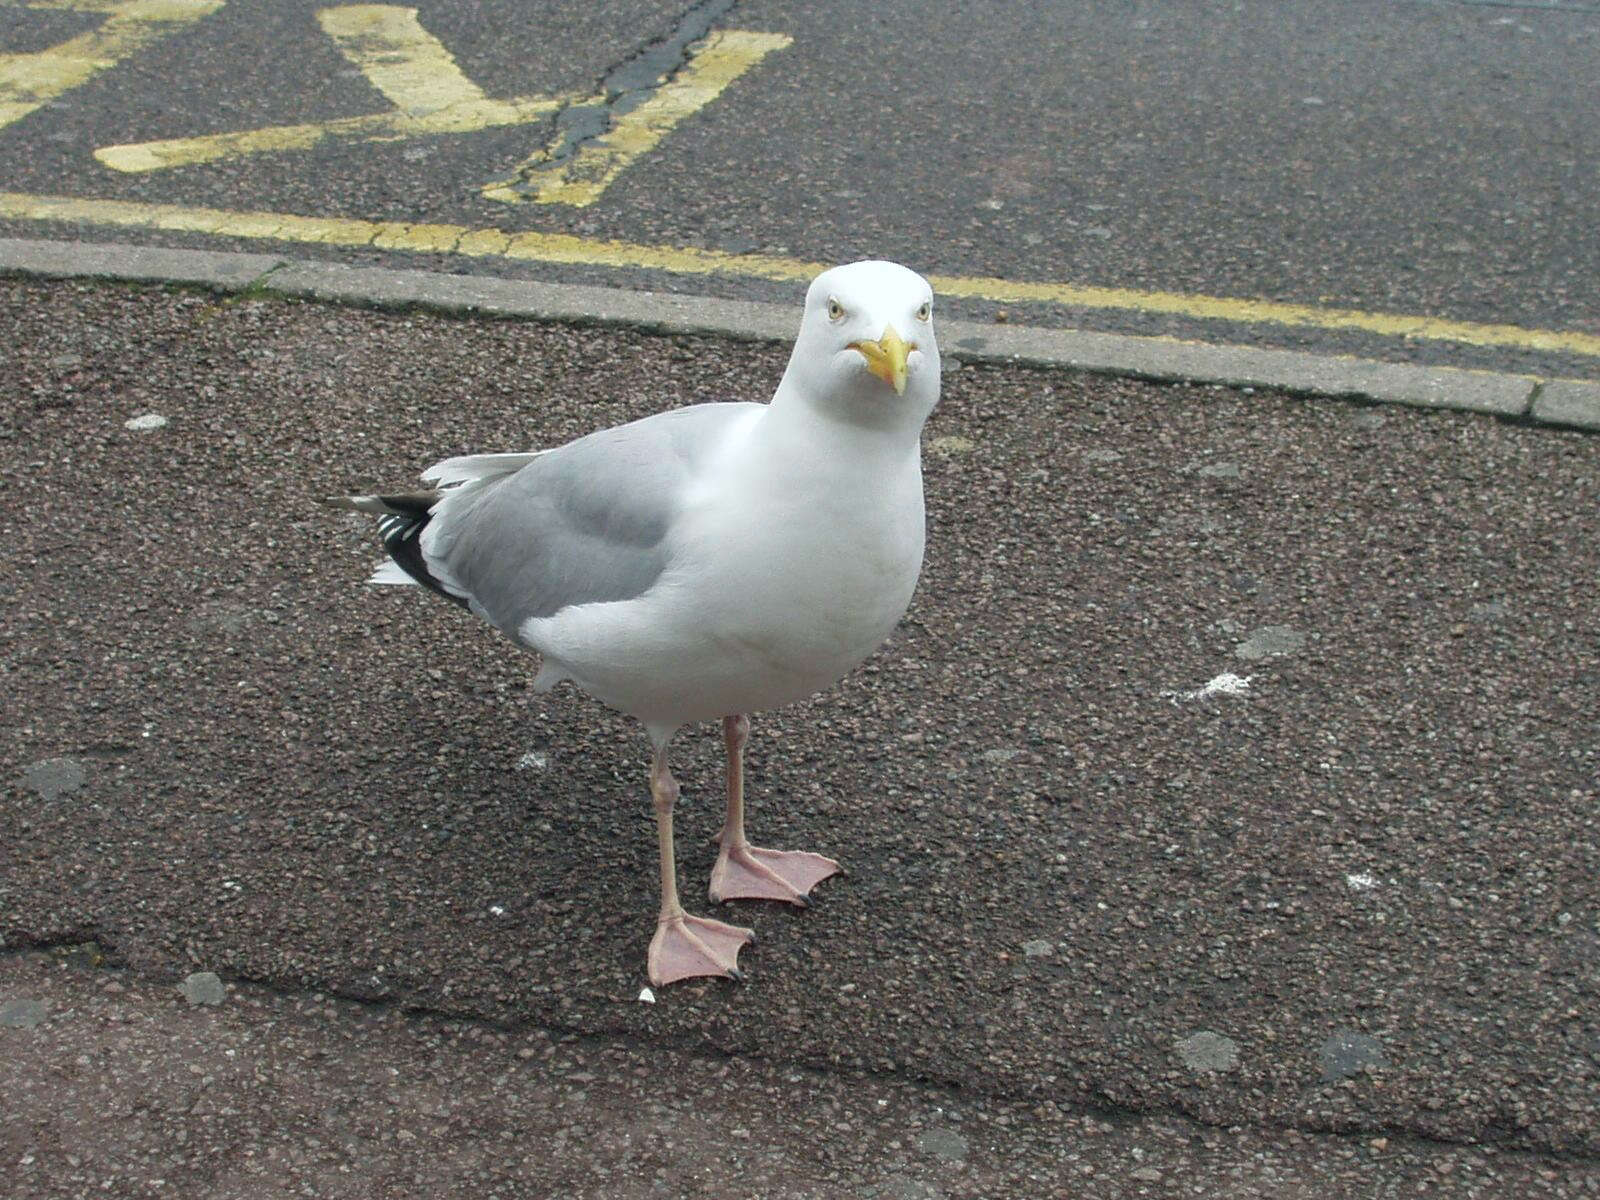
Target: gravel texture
(288, 778)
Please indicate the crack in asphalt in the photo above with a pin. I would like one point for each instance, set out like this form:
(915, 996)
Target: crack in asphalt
(629, 84)
(85, 943)
(1533, 398)
(89, 948)
(1525, 5)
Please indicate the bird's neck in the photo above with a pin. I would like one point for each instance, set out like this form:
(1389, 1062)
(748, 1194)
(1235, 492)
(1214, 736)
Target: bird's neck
(869, 433)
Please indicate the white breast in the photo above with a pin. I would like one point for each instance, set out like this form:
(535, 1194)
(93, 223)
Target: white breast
(784, 577)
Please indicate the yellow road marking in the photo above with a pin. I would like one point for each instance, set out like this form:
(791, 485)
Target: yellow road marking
(398, 235)
(82, 6)
(430, 94)
(29, 81)
(565, 249)
(579, 180)
(403, 61)
(1268, 312)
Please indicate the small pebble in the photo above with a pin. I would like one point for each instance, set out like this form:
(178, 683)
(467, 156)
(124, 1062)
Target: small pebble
(951, 445)
(203, 987)
(54, 777)
(145, 421)
(1270, 640)
(943, 1143)
(1208, 1051)
(22, 1014)
(1347, 1052)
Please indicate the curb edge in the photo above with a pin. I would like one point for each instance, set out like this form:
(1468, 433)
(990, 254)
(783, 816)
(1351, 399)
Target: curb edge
(1554, 403)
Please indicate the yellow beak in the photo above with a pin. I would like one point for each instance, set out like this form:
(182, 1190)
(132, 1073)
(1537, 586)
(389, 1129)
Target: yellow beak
(886, 357)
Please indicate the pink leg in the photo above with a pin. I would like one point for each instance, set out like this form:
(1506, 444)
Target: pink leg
(684, 946)
(746, 872)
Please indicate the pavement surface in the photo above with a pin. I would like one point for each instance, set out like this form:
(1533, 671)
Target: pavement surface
(1404, 181)
(117, 1085)
(1228, 793)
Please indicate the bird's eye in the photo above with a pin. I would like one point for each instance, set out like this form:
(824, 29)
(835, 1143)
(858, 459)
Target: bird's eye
(835, 310)
(925, 311)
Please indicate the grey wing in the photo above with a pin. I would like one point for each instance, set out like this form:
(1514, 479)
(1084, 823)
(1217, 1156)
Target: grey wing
(581, 524)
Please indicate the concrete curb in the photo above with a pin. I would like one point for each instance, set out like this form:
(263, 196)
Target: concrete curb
(1568, 402)
(654, 312)
(133, 264)
(1560, 403)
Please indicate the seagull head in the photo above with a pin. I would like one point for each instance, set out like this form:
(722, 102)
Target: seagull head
(866, 351)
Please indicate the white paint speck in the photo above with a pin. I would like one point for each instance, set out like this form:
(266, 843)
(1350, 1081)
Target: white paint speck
(145, 421)
(533, 760)
(1226, 684)
(496, 910)
(1361, 881)
(646, 996)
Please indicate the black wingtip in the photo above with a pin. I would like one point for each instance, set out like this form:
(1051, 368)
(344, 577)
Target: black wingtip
(401, 536)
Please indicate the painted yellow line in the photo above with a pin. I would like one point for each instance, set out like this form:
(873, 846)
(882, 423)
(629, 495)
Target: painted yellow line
(397, 235)
(430, 94)
(579, 180)
(29, 81)
(389, 126)
(403, 61)
(565, 249)
(1267, 312)
(179, 152)
(82, 6)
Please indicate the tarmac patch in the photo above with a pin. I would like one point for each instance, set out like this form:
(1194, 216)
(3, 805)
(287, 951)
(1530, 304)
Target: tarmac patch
(1268, 641)
(1208, 1051)
(1348, 1052)
(55, 777)
(22, 1014)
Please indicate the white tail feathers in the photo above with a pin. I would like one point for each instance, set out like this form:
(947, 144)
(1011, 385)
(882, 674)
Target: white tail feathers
(476, 467)
(389, 573)
(374, 505)
(406, 521)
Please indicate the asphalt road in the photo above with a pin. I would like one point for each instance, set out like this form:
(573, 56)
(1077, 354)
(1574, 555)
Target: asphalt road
(116, 1084)
(1090, 869)
(1391, 160)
